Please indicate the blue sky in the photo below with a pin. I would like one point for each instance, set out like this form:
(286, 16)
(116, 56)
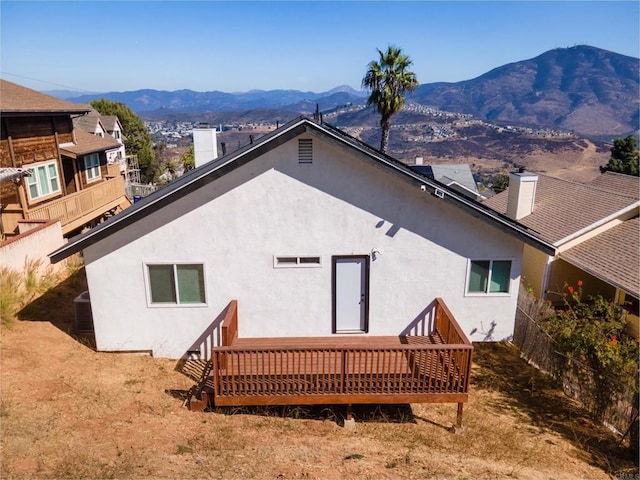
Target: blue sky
(302, 45)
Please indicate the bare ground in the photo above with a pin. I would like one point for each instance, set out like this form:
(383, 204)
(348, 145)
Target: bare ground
(67, 411)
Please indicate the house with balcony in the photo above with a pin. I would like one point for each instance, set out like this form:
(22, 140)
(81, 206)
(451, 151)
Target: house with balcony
(595, 227)
(307, 267)
(50, 170)
(101, 126)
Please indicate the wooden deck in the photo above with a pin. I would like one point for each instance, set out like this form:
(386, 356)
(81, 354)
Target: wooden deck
(343, 370)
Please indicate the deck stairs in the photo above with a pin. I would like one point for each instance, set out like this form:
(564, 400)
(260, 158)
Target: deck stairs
(198, 398)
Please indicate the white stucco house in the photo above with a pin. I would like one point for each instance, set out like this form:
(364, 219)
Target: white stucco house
(315, 234)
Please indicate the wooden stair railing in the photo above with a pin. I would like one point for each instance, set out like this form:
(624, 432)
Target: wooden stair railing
(197, 398)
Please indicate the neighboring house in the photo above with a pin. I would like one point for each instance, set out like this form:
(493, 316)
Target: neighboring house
(315, 234)
(101, 126)
(456, 176)
(594, 227)
(53, 170)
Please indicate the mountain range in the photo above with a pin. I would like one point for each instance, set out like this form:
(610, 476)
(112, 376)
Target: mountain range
(584, 89)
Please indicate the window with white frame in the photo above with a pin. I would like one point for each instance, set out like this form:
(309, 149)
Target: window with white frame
(44, 180)
(489, 277)
(92, 167)
(176, 284)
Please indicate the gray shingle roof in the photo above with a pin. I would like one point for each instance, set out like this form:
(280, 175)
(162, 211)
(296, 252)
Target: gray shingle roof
(563, 208)
(613, 256)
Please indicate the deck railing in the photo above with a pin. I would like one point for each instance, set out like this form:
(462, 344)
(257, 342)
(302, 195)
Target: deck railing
(81, 207)
(343, 370)
(447, 326)
(229, 325)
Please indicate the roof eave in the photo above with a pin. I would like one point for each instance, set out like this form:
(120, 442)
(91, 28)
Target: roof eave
(598, 275)
(35, 113)
(597, 224)
(190, 182)
(197, 178)
(471, 206)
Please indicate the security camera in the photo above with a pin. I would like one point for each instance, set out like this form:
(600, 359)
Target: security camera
(423, 188)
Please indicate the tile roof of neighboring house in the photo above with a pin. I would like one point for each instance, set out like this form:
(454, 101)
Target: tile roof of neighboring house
(613, 256)
(88, 143)
(564, 209)
(16, 99)
(211, 171)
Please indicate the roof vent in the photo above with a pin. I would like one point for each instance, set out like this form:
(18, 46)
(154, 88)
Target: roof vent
(305, 150)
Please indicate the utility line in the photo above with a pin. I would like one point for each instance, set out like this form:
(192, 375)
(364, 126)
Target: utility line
(44, 81)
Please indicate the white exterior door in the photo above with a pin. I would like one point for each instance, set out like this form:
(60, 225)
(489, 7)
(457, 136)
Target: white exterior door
(350, 294)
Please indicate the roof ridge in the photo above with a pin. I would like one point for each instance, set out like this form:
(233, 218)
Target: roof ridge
(590, 186)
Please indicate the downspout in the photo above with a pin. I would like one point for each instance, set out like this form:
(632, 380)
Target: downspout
(545, 277)
(64, 183)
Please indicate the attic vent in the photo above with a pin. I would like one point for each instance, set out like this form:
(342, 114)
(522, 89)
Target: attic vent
(305, 150)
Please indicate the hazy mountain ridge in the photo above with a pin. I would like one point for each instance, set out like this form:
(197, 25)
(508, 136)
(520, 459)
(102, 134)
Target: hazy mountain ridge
(583, 89)
(142, 101)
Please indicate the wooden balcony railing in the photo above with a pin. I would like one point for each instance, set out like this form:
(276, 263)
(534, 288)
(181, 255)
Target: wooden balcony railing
(285, 371)
(79, 208)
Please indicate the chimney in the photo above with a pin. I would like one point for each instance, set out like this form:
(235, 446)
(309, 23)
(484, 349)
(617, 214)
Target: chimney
(419, 161)
(522, 194)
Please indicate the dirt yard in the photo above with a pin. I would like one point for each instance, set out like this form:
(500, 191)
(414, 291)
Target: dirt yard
(69, 412)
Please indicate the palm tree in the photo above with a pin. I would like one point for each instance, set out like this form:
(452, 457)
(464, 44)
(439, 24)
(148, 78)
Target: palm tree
(388, 80)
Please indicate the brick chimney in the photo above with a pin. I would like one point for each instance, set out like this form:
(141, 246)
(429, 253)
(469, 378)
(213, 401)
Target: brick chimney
(522, 194)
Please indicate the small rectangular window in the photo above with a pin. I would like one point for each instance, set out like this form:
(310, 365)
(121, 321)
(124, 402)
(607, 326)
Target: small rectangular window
(489, 276)
(92, 167)
(309, 261)
(43, 180)
(305, 150)
(176, 284)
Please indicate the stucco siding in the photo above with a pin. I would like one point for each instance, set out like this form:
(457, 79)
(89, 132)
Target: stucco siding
(31, 246)
(339, 205)
(534, 264)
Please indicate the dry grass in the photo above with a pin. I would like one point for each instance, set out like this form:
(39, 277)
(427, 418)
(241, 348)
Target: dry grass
(69, 412)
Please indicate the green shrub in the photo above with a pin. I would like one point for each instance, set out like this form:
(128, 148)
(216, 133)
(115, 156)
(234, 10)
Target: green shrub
(591, 333)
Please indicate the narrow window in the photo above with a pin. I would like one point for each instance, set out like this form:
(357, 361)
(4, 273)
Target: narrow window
(309, 261)
(43, 181)
(177, 284)
(305, 150)
(489, 276)
(92, 167)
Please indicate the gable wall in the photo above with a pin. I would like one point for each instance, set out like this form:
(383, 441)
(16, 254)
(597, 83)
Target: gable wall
(273, 206)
